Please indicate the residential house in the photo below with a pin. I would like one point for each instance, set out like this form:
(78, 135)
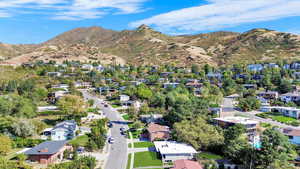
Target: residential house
(285, 111)
(212, 75)
(250, 86)
(255, 67)
(46, 108)
(158, 132)
(250, 125)
(91, 117)
(60, 86)
(151, 118)
(64, 131)
(99, 68)
(84, 130)
(290, 97)
(171, 85)
(48, 152)
(171, 151)
(124, 98)
(84, 85)
(295, 65)
(186, 164)
(87, 67)
(296, 75)
(193, 84)
(293, 134)
(268, 95)
(272, 65)
(54, 74)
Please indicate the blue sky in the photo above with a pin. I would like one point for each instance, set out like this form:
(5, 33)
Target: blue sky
(35, 21)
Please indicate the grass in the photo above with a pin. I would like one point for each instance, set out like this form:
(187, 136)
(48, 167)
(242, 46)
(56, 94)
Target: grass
(146, 159)
(144, 144)
(266, 125)
(80, 140)
(209, 156)
(280, 118)
(125, 117)
(115, 106)
(12, 154)
(128, 161)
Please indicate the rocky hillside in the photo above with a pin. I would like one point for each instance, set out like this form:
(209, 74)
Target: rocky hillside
(147, 46)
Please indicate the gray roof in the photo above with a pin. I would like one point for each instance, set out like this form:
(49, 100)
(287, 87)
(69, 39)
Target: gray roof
(68, 125)
(46, 148)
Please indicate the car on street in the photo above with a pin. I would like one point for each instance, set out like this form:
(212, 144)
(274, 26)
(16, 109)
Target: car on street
(106, 105)
(110, 124)
(111, 140)
(122, 129)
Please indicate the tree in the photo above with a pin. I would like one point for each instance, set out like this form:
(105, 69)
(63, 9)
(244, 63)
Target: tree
(71, 105)
(144, 92)
(249, 103)
(6, 145)
(23, 128)
(285, 86)
(276, 150)
(195, 68)
(198, 133)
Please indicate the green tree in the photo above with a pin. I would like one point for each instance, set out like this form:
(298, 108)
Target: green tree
(198, 133)
(6, 145)
(71, 105)
(276, 150)
(249, 103)
(285, 86)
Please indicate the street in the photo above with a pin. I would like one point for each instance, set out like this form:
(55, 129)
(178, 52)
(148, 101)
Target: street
(117, 158)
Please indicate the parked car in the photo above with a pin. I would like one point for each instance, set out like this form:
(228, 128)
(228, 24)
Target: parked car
(110, 124)
(122, 129)
(111, 140)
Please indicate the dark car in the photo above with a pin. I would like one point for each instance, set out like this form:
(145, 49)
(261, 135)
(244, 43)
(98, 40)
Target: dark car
(106, 105)
(110, 124)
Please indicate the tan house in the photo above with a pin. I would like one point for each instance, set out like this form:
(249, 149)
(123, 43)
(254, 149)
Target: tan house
(158, 132)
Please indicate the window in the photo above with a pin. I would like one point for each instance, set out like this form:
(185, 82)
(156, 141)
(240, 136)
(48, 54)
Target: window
(291, 137)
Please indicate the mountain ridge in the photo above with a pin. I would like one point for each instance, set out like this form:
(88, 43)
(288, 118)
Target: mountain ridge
(145, 45)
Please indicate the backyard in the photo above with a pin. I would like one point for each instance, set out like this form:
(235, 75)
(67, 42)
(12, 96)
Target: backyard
(146, 159)
(80, 140)
(280, 118)
(209, 156)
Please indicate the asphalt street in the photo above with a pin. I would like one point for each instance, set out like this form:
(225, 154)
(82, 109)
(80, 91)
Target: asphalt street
(117, 158)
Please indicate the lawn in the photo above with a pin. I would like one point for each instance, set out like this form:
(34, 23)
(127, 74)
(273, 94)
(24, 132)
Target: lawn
(146, 159)
(115, 106)
(80, 140)
(125, 117)
(209, 156)
(280, 118)
(128, 161)
(144, 144)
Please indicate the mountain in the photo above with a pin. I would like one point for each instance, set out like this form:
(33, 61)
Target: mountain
(147, 46)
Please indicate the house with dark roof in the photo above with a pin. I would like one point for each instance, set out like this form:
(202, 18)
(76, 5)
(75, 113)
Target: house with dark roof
(158, 132)
(64, 130)
(48, 152)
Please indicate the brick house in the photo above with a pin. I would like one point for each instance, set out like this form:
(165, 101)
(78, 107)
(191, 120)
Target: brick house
(158, 132)
(48, 152)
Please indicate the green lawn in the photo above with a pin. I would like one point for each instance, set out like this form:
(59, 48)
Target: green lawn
(115, 106)
(80, 140)
(144, 144)
(125, 117)
(283, 119)
(280, 118)
(209, 156)
(128, 161)
(145, 159)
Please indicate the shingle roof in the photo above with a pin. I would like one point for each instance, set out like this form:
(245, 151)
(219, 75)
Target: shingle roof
(291, 132)
(187, 164)
(152, 127)
(46, 148)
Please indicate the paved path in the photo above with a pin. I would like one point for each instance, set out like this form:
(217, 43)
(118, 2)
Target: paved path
(117, 158)
(229, 107)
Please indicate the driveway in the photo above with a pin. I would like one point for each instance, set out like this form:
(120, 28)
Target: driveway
(117, 158)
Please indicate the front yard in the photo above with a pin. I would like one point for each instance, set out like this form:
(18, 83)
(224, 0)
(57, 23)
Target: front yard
(143, 144)
(146, 159)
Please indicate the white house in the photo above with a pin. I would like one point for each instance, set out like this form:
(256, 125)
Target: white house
(47, 108)
(293, 134)
(172, 85)
(286, 111)
(124, 98)
(54, 74)
(64, 131)
(290, 97)
(171, 150)
(60, 86)
(87, 67)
